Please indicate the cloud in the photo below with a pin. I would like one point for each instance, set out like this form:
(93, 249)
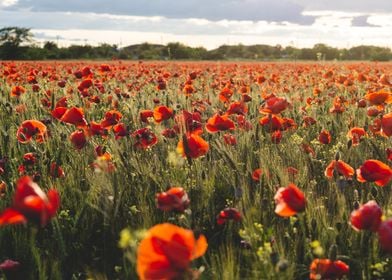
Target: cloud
(255, 10)
(8, 3)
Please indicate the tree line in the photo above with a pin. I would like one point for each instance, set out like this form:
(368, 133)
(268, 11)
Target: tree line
(17, 43)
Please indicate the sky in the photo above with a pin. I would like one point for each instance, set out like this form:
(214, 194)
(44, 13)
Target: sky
(204, 23)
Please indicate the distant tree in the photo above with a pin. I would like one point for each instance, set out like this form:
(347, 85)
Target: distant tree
(11, 41)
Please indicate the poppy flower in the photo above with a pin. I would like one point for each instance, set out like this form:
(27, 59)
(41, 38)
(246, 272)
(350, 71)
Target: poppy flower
(225, 94)
(78, 139)
(355, 134)
(385, 236)
(145, 115)
(85, 84)
(328, 269)
(256, 174)
(167, 251)
(374, 171)
(219, 123)
(228, 214)
(31, 203)
(340, 167)
(367, 217)
(386, 124)
(230, 139)
(96, 129)
(388, 151)
(73, 116)
(190, 121)
(120, 130)
(11, 269)
(174, 198)
(192, 146)
(145, 138)
(276, 137)
(56, 171)
(325, 137)
(379, 97)
(238, 108)
(308, 121)
(112, 117)
(289, 201)
(17, 91)
(169, 133)
(30, 129)
(272, 123)
(274, 105)
(373, 111)
(162, 113)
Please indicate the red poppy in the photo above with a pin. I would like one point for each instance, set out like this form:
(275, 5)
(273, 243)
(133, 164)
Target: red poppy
(230, 139)
(385, 236)
(238, 108)
(173, 199)
(308, 121)
(145, 115)
(112, 117)
(162, 113)
(325, 137)
(388, 151)
(373, 111)
(30, 129)
(374, 171)
(190, 121)
(228, 214)
(274, 105)
(276, 137)
(327, 269)
(340, 167)
(31, 203)
(219, 123)
(85, 84)
(95, 128)
(145, 138)
(272, 123)
(166, 252)
(73, 116)
(386, 124)
(78, 139)
(120, 130)
(355, 134)
(256, 174)
(367, 217)
(169, 133)
(289, 201)
(192, 146)
(56, 171)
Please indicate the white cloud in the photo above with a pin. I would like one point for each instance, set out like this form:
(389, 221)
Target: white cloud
(8, 3)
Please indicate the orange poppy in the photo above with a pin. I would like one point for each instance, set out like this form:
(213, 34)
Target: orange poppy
(17, 91)
(219, 123)
(30, 129)
(272, 123)
(328, 269)
(355, 134)
(238, 108)
(192, 146)
(162, 113)
(256, 174)
(339, 166)
(289, 201)
(374, 171)
(167, 251)
(379, 97)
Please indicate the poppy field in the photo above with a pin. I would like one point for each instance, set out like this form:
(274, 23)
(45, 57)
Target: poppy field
(195, 170)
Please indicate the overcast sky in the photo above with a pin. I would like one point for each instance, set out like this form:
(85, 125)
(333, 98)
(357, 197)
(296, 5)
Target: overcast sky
(208, 23)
